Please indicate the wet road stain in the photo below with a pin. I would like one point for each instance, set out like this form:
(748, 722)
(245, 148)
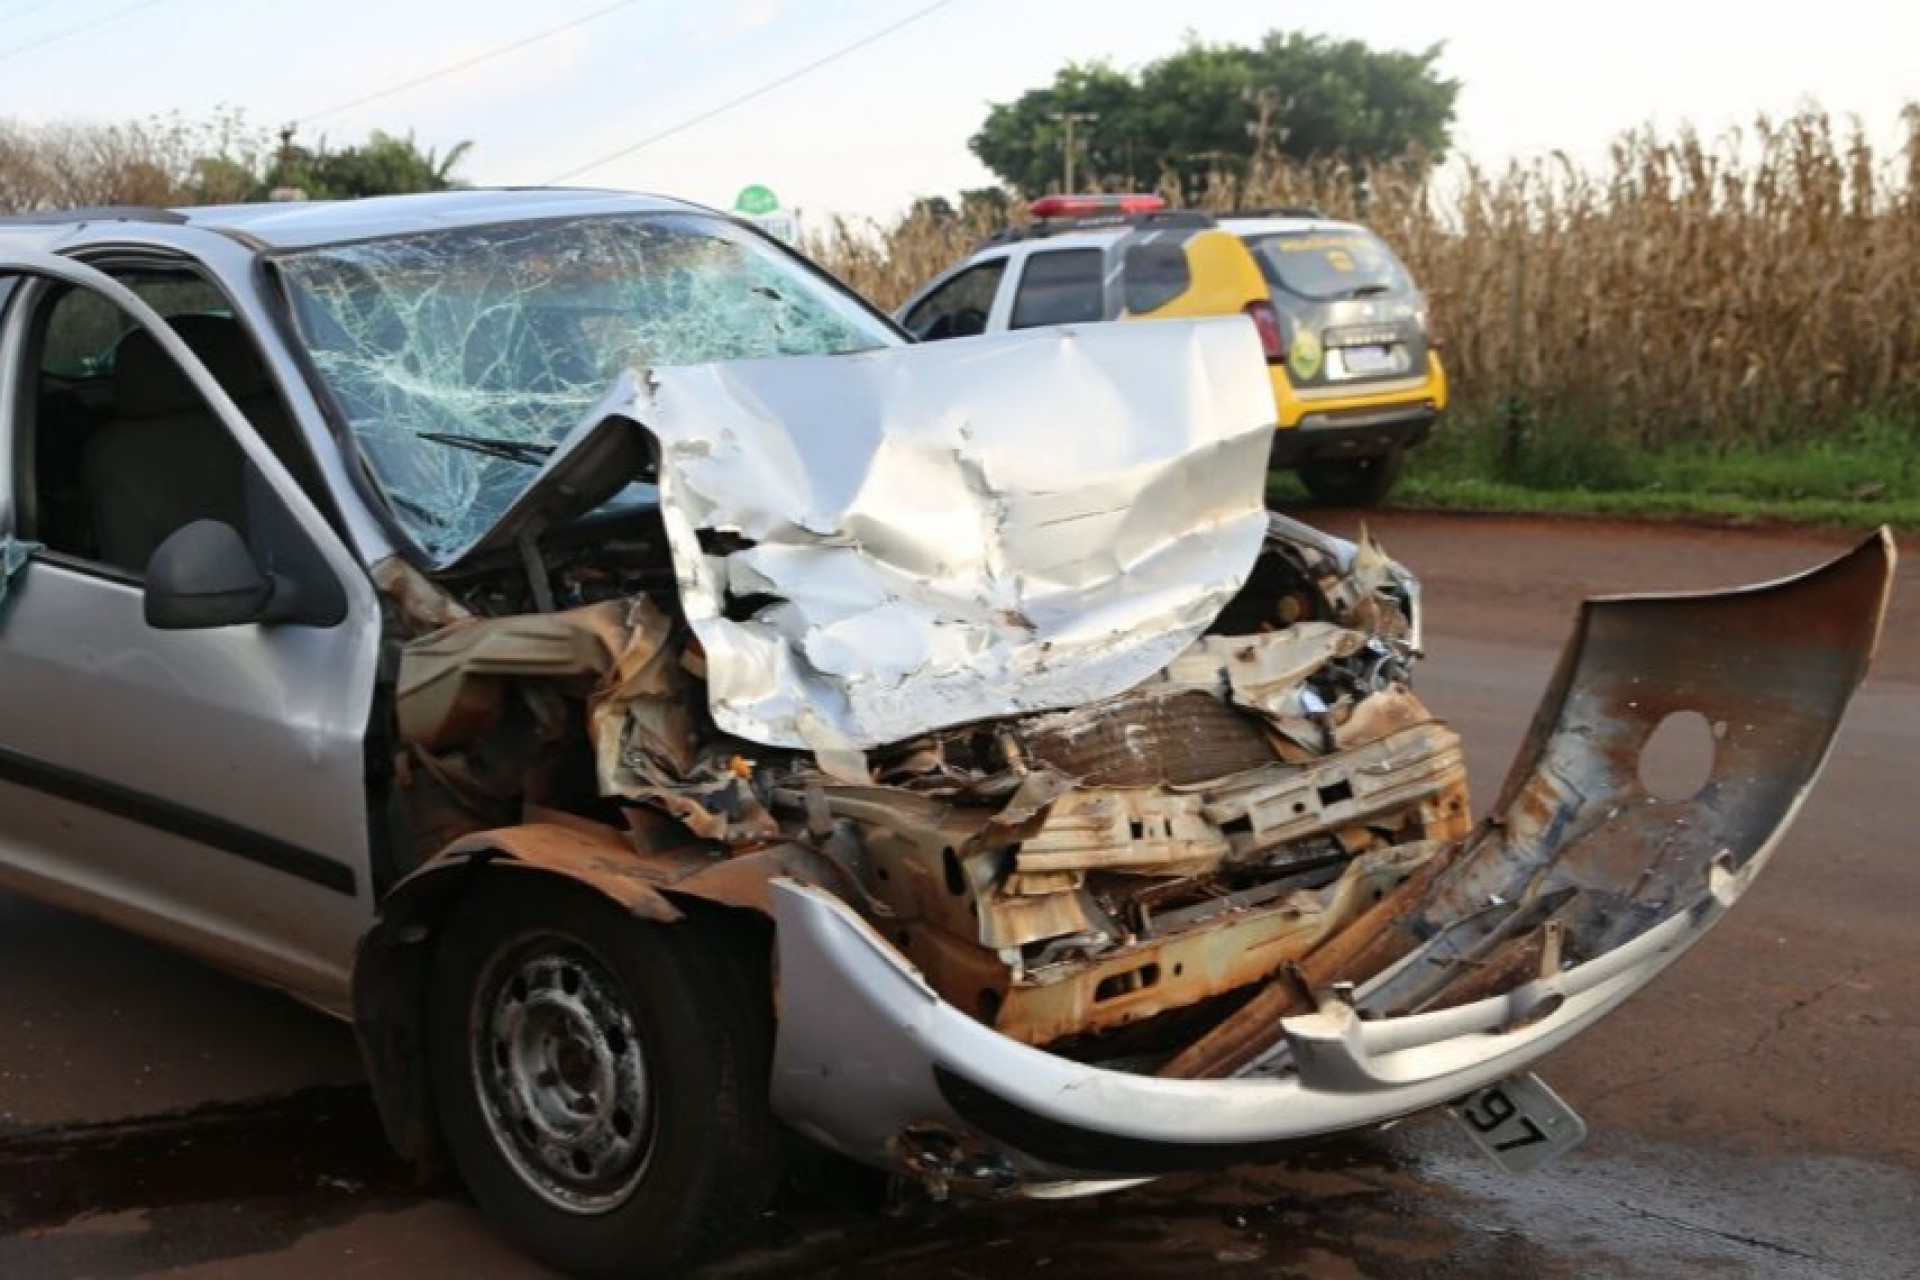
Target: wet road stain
(1413, 1203)
(1352, 1207)
(130, 1197)
(248, 1180)
(323, 1142)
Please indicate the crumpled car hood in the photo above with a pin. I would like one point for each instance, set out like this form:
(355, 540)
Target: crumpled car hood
(878, 545)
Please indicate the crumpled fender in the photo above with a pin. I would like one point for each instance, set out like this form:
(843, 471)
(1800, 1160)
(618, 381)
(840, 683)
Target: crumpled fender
(395, 958)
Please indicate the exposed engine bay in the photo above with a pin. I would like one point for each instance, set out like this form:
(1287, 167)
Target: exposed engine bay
(1063, 875)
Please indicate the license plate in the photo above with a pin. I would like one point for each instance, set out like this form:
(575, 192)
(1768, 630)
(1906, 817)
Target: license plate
(1520, 1122)
(1360, 361)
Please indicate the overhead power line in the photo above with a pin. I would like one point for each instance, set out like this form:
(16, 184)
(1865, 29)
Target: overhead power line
(57, 36)
(751, 94)
(473, 61)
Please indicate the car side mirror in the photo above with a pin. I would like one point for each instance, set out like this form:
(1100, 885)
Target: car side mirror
(203, 576)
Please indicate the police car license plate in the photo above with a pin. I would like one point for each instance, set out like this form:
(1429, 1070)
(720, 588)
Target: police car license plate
(1520, 1122)
(1360, 361)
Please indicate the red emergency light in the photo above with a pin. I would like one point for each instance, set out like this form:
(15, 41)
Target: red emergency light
(1093, 206)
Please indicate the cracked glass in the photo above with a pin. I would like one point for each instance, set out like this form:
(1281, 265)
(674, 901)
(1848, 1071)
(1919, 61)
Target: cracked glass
(457, 357)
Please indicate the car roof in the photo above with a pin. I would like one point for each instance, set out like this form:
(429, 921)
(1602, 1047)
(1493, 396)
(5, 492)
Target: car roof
(303, 223)
(298, 224)
(1066, 238)
(1261, 225)
(1102, 236)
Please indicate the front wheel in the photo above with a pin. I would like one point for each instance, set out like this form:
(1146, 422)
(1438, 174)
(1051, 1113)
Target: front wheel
(1352, 482)
(601, 1080)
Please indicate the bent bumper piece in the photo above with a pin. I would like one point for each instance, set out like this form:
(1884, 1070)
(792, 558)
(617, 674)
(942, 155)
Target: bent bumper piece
(1353, 433)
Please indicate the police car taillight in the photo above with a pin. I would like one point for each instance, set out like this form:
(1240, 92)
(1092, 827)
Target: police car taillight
(1094, 206)
(1425, 321)
(1267, 321)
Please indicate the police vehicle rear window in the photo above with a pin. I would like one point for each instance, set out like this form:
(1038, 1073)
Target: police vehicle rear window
(1326, 265)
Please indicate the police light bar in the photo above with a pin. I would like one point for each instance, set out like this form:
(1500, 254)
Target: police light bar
(1091, 206)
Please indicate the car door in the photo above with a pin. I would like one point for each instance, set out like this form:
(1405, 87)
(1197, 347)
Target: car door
(203, 787)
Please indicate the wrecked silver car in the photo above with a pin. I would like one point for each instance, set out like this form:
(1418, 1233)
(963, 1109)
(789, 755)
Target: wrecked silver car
(674, 718)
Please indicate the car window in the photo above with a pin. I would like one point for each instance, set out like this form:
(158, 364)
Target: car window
(84, 328)
(1350, 263)
(1062, 286)
(125, 449)
(960, 307)
(1153, 274)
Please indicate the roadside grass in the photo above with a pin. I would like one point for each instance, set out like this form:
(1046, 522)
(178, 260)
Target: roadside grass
(1865, 476)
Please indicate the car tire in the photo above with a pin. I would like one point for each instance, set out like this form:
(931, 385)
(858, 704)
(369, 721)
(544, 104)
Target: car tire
(1352, 482)
(602, 1081)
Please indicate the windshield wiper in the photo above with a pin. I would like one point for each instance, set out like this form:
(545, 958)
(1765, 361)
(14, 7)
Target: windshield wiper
(523, 451)
(1369, 290)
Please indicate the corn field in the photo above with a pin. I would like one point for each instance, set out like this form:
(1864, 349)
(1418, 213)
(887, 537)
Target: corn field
(1759, 289)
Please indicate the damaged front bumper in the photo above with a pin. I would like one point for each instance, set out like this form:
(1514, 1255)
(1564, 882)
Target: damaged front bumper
(872, 1062)
(1588, 880)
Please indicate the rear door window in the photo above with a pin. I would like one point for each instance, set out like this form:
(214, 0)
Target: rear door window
(1063, 286)
(1327, 265)
(1154, 273)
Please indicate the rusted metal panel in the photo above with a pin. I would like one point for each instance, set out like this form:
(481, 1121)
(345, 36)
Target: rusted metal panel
(1148, 738)
(452, 683)
(597, 856)
(743, 880)
(1131, 983)
(1151, 830)
(421, 604)
(1284, 803)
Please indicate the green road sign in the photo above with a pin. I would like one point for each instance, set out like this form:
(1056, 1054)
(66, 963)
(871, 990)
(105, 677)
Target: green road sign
(756, 201)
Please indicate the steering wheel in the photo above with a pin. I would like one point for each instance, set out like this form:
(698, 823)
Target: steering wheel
(964, 323)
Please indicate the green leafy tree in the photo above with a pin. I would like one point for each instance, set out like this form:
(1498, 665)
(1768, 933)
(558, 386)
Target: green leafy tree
(1216, 108)
(986, 204)
(979, 206)
(1023, 141)
(383, 165)
(934, 209)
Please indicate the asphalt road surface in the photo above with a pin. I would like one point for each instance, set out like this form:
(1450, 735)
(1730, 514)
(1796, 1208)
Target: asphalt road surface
(1754, 1112)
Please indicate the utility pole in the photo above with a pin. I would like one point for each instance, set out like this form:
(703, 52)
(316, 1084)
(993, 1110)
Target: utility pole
(1268, 136)
(1068, 145)
(1266, 104)
(283, 168)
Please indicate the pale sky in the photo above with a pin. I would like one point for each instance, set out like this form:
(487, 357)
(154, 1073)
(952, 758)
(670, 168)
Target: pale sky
(889, 121)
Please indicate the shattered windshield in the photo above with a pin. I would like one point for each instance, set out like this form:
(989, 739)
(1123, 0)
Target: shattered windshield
(458, 357)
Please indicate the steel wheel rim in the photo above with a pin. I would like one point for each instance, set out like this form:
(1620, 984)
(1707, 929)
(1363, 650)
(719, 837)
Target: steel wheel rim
(560, 1075)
